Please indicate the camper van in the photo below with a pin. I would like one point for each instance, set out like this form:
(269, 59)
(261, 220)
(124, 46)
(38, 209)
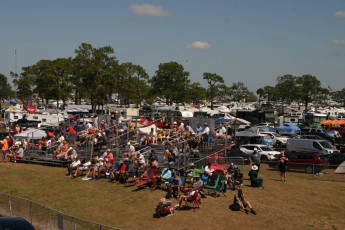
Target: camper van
(310, 145)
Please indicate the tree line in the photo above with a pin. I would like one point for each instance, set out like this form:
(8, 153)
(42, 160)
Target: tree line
(95, 74)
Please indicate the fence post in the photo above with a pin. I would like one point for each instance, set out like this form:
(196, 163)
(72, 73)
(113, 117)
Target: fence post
(30, 212)
(9, 202)
(74, 223)
(50, 218)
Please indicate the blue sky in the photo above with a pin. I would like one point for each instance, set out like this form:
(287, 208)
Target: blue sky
(246, 41)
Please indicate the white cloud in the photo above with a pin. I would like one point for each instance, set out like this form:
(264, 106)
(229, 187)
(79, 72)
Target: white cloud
(340, 14)
(339, 41)
(150, 10)
(198, 45)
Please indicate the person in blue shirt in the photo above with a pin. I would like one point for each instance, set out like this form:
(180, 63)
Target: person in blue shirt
(174, 186)
(165, 175)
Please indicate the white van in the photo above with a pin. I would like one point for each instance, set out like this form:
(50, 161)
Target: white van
(310, 145)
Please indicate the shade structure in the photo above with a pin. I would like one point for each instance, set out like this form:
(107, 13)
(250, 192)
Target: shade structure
(221, 121)
(218, 167)
(338, 122)
(333, 122)
(247, 134)
(288, 128)
(326, 122)
(340, 168)
(31, 134)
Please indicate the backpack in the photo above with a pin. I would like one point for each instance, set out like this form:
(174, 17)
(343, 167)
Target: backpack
(235, 207)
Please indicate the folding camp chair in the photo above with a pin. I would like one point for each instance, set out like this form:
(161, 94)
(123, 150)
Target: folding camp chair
(213, 187)
(194, 201)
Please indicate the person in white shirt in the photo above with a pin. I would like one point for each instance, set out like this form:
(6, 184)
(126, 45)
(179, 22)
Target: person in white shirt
(73, 166)
(222, 132)
(206, 129)
(208, 169)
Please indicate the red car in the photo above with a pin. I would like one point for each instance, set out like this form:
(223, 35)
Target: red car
(308, 162)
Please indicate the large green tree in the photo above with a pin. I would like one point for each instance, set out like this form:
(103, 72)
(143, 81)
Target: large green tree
(132, 83)
(92, 73)
(286, 88)
(171, 81)
(339, 96)
(5, 87)
(267, 92)
(24, 84)
(215, 83)
(196, 93)
(240, 92)
(309, 89)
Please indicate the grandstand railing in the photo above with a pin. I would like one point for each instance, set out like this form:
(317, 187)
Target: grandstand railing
(43, 217)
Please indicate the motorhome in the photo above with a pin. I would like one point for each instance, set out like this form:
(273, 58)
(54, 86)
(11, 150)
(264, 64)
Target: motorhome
(43, 118)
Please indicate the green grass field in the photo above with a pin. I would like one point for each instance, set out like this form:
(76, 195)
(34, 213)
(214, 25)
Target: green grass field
(301, 203)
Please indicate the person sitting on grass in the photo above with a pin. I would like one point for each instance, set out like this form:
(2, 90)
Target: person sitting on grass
(240, 200)
(255, 181)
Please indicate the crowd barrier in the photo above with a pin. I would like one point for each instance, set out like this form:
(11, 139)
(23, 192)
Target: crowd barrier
(43, 217)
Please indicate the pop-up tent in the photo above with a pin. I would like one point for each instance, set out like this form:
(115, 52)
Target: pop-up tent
(340, 168)
(288, 128)
(147, 129)
(31, 134)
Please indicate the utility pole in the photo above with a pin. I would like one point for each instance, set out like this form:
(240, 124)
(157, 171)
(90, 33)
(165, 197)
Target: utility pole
(15, 68)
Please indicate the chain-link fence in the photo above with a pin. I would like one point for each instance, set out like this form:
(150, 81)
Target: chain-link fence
(42, 217)
(323, 172)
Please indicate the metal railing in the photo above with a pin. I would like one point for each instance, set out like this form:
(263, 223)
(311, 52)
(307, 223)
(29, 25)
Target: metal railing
(324, 172)
(43, 217)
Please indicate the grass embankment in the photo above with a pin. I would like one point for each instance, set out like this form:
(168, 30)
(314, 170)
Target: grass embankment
(301, 203)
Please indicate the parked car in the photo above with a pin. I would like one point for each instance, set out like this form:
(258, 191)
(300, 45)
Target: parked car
(336, 159)
(238, 153)
(308, 162)
(291, 135)
(311, 130)
(309, 145)
(267, 153)
(320, 133)
(276, 137)
(312, 137)
(340, 130)
(15, 223)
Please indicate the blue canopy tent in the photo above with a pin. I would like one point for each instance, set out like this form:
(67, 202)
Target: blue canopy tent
(221, 121)
(288, 128)
(13, 102)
